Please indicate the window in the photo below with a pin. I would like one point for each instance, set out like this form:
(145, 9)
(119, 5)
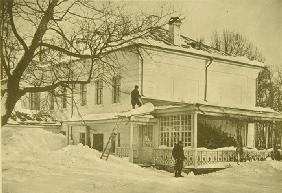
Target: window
(25, 102)
(99, 92)
(175, 128)
(52, 101)
(116, 89)
(118, 139)
(64, 97)
(82, 138)
(35, 101)
(83, 94)
(147, 135)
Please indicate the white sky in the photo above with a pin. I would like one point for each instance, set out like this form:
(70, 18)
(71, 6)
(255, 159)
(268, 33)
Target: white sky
(259, 20)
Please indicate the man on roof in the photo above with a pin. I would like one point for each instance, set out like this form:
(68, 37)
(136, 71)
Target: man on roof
(135, 97)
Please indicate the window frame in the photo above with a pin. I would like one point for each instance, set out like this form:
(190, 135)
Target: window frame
(174, 128)
(52, 101)
(99, 91)
(83, 94)
(116, 84)
(34, 100)
(64, 98)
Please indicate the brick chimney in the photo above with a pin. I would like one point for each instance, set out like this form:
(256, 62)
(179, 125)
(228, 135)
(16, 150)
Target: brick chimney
(174, 30)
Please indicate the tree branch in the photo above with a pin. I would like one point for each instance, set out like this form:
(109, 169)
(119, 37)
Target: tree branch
(53, 86)
(10, 12)
(69, 53)
(3, 62)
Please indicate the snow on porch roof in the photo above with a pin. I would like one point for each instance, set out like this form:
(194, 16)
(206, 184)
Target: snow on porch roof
(242, 112)
(144, 110)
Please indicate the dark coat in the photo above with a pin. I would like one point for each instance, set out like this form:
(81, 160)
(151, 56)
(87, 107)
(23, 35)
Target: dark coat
(178, 152)
(135, 96)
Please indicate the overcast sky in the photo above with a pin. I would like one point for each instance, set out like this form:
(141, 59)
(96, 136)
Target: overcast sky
(259, 20)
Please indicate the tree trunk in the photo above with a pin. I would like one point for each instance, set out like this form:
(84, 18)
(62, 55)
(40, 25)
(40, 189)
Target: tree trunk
(9, 100)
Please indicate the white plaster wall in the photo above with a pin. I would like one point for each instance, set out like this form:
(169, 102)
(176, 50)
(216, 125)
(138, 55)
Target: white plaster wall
(174, 76)
(106, 129)
(168, 75)
(231, 85)
(129, 70)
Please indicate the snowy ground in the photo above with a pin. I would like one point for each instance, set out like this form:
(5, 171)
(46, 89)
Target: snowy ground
(36, 161)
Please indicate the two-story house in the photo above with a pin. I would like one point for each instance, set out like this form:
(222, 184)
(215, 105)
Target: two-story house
(193, 87)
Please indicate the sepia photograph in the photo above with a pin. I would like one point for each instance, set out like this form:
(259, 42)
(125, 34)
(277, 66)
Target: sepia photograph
(141, 96)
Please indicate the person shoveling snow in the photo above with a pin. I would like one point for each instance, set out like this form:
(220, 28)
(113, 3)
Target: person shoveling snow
(135, 97)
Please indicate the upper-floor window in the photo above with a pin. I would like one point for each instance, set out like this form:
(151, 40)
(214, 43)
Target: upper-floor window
(99, 91)
(35, 101)
(52, 101)
(64, 97)
(116, 89)
(25, 101)
(83, 94)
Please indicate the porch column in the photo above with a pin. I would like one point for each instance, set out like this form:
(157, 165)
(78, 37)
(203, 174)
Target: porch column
(195, 136)
(251, 135)
(131, 143)
(195, 130)
(266, 135)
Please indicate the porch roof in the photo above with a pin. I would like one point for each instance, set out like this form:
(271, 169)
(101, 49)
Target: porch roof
(141, 114)
(205, 108)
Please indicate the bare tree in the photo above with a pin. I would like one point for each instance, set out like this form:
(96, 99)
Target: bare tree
(43, 42)
(236, 44)
(269, 88)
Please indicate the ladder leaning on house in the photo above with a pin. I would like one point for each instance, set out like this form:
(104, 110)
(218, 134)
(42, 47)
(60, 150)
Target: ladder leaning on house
(107, 150)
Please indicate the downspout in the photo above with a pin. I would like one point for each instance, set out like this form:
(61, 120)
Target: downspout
(142, 74)
(206, 77)
(141, 71)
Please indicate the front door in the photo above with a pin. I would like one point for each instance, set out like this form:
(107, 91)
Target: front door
(146, 143)
(98, 141)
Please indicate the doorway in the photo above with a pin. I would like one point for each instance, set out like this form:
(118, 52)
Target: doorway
(98, 141)
(146, 143)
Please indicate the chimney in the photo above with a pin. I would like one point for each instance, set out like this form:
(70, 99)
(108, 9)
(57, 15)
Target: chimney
(174, 30)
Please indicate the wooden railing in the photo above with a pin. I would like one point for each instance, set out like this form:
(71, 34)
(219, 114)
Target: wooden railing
(200, 157)
(124, 152)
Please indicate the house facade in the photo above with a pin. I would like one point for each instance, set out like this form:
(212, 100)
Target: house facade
(199, 97)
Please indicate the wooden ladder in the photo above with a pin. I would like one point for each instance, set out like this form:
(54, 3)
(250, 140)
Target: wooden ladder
(107, 150)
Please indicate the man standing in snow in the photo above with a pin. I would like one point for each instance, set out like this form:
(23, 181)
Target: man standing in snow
(178, 156)
(135, 97)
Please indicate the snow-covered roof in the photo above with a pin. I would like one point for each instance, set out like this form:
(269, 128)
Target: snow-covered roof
(160, 39)
(214, 109)
(32, 118)
(144, 110)
(200, 52)
(174, 102)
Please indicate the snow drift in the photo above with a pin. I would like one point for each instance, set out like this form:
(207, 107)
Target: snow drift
(38, 161)
(17, 143)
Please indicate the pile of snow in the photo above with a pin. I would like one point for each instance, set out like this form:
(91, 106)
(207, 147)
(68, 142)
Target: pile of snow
(143, 110)
(17, 142)
(38, 161)
(218, 165)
